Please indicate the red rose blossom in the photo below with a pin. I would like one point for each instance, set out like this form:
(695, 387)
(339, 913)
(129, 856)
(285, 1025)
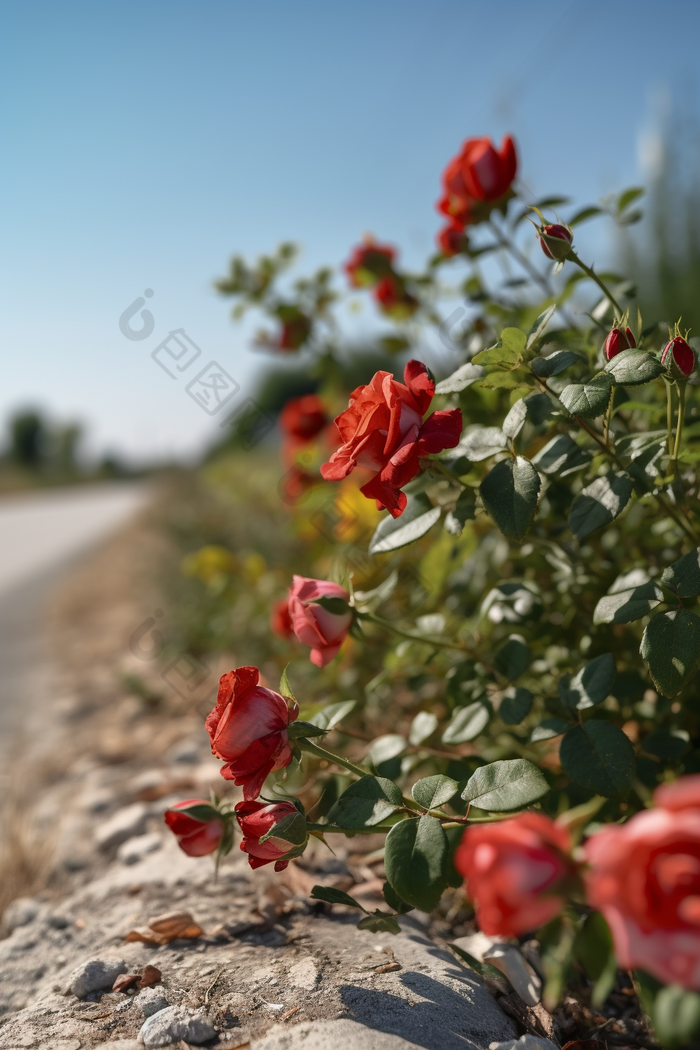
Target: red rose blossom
(616, 341)
(257, 819)
(452, 239)
(303, 418)
(480, 171)
(368, 263)
(679, 357)
(645, 878)
(248, 729)
(324, 631)
(196, 836)
(515, 871)
(383, 430)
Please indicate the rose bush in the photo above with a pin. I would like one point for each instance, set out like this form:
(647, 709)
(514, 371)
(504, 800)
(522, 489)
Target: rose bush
(520, 691)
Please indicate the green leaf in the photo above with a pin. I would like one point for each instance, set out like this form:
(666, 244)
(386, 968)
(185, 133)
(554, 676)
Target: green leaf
(520, 377)
(588, 400)
(482, 968)
(498, 356)
(515, 705)
(512, 658)
(600, 503)
(332, 896)
(201, 811)
(386, 747)
(629, 196)
(291, 828)
(591, 685)
(584, 214)
(598, 756)
(593, 950)
(285, 687)
(671, 648)
(633, 368)
(332, 714)
(414, 858)
(509, 493)
(391, 533)
(561, 456)
(464, 511)
(423, 725)
(367, 802)
(539, 326)
(539, 408)
(515, 420)
(480, 443)
(335, 606)
(299, 728)
(553, 364)
(502, 786)
(467, 722)
(379, 922)
(667, 744)
(461, 379)
(394, 901)
(549, 728)
(632, 596)
(675, 1014)
(432, 792)
(683, 577)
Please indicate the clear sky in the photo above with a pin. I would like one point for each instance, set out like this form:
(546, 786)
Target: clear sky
(145, 142)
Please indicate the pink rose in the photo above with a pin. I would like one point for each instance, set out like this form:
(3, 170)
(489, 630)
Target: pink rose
(644, 877)
(322, 629)
(515, 872)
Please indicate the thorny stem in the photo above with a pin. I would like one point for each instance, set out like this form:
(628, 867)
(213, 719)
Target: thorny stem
(669, 417)
(383, 829)
(679, 424)
(411, 636)
(431, 463)
(594, 277)
(338, 760)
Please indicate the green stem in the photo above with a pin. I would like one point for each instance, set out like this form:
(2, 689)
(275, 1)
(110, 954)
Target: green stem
(573, 257)
(411, 636)
(669, 417)
(679, 426)
(320, 752)
(331, 829)
(435, 463)
(531, 270)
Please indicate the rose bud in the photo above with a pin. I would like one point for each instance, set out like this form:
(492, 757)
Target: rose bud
(197, 825)
(678, 357)
(383, 430)
(616, 341)
(644, 877)
(556, 241)
(393, 298)
(487, 173)
(280, 620)
(320, 616)
(248, 729)
(271, 832)
(294, 333)
(369, 263)
(515, 872)
(452, 239)
(457, 209)
(303, 418)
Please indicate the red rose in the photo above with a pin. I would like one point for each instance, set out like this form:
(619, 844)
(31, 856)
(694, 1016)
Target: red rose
(391, 295)
(323, 630)
(248, 729)
(616, 341)
(645, 878)
(258, 819)
(369, 263)
(294, 333)
(457, 209)
(487, 173)
(679, 357)
(295, 484)
(280, 620)
(383, 430)
(452, 239)
(556, 241)
(198, 832)
(515, 871)
(303, 418)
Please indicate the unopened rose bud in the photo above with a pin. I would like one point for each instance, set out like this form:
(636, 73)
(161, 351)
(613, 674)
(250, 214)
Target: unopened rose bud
(272, 833)
(197, 825)
(678, 357)
(617, 341)
(556, 241)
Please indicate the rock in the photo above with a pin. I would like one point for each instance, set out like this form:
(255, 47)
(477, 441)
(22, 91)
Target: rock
(135, 849)
(175, 1023)
(121, 1044)
(151, 1001)
(20, 912)
(234, 1038)
(510, 961)
(525, 1042)
(94, 976)
(126, 822)
(304, 974)
(58, 922)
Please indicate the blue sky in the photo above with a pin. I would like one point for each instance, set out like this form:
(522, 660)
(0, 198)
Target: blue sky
(144, 143)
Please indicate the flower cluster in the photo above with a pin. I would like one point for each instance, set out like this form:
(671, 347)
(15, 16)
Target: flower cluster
(371, 265)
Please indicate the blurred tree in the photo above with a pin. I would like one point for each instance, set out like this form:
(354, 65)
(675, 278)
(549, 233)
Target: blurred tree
(28, 439)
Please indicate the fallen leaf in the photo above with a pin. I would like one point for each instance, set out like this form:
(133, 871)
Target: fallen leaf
(172, 924)
(388, 967)
(124, 981)
(151, 975)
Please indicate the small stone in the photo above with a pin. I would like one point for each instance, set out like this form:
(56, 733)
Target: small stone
(20, 912)
(138, 847)
(126, 822)
(94, 975)
(185, 752)
(151, 1001)
(59, 922)
(174, 1023)
(234, 1038)
(304, 974)
(121, 1044)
